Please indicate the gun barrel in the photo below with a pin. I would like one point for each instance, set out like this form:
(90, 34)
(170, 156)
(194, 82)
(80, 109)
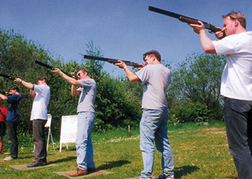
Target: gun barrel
(183, 18)
(111, 60)
(6, 76)
(50, 67)
(43, 64)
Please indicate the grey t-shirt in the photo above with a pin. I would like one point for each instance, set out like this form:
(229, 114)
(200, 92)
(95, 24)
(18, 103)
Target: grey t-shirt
(156, 79)
(87, 96)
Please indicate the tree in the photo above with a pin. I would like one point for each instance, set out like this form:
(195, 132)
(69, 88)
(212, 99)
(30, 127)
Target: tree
(197, 80)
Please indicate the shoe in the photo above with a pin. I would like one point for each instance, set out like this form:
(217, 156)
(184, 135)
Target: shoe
(163, 176)
(44, 162)
(78, 172)
(9, 158)
(35, 164)
(91, 169)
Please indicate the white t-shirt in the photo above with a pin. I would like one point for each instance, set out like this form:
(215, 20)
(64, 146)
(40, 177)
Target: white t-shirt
(87, 96)
(40, 102)
(236, 80)
(156, 79)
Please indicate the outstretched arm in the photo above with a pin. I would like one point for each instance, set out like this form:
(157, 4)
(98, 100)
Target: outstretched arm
(27, 85)
(206, 42)
(70, 80)
(131, 76)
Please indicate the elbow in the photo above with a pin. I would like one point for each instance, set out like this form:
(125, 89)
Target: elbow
(209, 50)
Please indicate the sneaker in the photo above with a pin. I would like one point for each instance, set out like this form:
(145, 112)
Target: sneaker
(163, 176)
(9, 158)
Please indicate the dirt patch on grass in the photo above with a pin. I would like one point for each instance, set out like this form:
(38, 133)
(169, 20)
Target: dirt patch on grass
(215, 130)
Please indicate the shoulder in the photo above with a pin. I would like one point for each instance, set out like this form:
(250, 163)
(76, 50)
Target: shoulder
(87, 82)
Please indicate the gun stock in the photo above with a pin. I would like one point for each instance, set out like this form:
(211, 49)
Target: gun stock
(183, 18)
(110, 60)
(6, 76)
(50, 67)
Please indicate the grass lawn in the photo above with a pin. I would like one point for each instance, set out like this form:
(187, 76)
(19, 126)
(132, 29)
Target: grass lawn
(199, 152)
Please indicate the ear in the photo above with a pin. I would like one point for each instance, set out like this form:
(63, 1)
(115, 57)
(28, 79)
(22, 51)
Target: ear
(236, 23)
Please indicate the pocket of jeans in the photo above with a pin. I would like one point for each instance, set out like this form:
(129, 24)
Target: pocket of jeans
(240, 105)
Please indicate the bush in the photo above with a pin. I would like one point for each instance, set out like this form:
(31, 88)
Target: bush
(189, 112)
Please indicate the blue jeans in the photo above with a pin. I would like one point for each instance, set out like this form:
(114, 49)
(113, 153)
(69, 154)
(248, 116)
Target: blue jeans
(238, 120)
(153, 128)
(84, 145)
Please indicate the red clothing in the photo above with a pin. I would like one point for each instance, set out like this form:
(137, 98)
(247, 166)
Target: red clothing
(4, 110)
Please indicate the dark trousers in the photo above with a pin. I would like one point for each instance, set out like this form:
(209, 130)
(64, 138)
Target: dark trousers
(39, 140)
(238, 120)
(12, 138)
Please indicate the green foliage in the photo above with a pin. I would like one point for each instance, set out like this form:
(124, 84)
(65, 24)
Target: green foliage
(197, 80)
(115, 105)
(189, 112)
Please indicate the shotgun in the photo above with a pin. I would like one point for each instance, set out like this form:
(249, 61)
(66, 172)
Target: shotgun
(6, 76)
(110, 60)
(50, 67)
(183, 18)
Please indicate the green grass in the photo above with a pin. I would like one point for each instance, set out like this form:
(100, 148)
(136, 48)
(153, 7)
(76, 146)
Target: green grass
(199, 152)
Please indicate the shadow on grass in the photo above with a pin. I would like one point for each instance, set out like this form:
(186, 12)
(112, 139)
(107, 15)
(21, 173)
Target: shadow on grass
(113, 164)
(184, 170)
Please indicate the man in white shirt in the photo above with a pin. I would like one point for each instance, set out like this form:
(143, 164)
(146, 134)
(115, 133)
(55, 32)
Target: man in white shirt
(41, 95)
(236, 85)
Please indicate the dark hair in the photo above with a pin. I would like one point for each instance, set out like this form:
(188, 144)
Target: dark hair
(237, 15)
(14, 88)
(152, 52)
(43, 78)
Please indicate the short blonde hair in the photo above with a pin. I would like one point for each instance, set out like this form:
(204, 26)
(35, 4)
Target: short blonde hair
(237, 15)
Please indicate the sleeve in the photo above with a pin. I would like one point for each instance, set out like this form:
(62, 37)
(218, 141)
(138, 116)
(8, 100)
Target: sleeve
(86, 83)
(5, 111)
(143, 74)
(227, 45)
(38, 88)
(12, 98)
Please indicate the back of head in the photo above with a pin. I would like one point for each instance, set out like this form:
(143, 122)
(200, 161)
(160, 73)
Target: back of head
(152, 52)
(237, 15)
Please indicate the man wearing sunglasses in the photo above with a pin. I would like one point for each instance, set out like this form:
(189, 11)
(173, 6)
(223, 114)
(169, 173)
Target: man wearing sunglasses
(86, 118)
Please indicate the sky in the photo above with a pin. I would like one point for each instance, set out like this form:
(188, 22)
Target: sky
(122, 29)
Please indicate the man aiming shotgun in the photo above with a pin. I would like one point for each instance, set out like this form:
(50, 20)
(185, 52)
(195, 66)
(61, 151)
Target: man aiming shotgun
(236, 85)
(156, 79)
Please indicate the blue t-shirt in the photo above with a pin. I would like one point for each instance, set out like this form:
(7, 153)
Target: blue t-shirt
(15, 102)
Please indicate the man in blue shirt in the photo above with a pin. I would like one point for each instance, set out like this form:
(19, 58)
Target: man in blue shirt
(15, 100)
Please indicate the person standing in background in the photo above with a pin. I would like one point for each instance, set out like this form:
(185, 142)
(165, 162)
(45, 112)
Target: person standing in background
(41, 95)
(3, 115)
(15, 100)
